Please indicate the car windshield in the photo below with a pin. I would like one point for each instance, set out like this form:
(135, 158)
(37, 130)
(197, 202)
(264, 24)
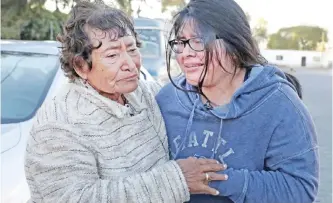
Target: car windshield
(25, 80)
(151, 42)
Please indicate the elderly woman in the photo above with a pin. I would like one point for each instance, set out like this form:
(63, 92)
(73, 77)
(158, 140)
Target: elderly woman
(102, 138)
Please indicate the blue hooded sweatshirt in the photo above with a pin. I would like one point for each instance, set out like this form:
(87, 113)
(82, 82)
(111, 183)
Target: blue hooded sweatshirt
(265, 135)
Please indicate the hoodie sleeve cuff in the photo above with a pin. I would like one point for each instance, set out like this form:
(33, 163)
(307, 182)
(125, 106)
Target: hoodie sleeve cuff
(235, 187)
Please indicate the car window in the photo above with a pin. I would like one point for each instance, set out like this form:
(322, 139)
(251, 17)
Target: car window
(25, 81)
(151, 42)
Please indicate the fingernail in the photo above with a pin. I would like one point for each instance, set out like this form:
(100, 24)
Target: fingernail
(226, 177)
(217, 192)
(225, 165)
(217, 162)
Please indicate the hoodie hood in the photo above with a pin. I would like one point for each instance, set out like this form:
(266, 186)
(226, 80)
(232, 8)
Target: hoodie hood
(261, 83)
(264, 128)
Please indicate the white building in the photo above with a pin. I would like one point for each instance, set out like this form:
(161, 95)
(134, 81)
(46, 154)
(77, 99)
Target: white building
(293, 58)
(297, 58)
(327, 57)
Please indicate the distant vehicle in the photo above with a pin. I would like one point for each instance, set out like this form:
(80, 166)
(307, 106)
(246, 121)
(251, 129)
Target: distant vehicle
(152, 33)
(30, 74)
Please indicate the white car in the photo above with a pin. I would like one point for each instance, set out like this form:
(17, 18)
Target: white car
(30, 74)
(153, 34)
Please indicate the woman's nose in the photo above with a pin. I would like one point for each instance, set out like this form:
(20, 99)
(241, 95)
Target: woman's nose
(188, 51)
(128, 63)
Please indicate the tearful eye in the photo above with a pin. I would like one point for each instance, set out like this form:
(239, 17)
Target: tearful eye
(178, 43)
(132, 50)
(112, 56)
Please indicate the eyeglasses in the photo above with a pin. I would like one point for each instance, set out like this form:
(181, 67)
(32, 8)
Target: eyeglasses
(178, 45)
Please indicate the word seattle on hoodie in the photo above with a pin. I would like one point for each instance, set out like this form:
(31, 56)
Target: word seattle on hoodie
(265, 135)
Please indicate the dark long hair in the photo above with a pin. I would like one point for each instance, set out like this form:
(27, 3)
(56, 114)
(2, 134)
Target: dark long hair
(226, 21)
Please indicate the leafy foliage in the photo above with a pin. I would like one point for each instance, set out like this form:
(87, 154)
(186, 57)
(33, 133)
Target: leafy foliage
(298, 38)
(169, 3)
(260, 30)
(125, 5)
(25, 20)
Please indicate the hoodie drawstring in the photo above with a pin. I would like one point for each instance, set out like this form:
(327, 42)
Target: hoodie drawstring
(188, 127)
(218, 140)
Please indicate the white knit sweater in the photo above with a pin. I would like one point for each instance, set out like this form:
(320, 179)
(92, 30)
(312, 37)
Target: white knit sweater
(86, 148)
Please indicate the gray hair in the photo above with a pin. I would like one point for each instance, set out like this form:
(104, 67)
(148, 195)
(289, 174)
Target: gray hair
(76, 45)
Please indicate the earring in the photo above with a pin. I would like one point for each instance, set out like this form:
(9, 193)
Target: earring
(85, 83)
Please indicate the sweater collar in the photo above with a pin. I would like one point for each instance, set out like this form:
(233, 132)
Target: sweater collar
(136, 99)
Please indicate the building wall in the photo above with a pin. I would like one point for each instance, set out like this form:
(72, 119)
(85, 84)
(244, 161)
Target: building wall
(293, 58)
(327, 58)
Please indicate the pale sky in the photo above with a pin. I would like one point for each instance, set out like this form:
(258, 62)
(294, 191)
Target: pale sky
(283, 13)
(278, 13)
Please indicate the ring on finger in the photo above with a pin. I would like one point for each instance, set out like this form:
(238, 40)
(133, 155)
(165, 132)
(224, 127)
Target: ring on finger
(207, 177)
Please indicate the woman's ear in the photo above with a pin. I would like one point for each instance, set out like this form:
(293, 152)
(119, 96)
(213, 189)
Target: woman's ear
(81, 67)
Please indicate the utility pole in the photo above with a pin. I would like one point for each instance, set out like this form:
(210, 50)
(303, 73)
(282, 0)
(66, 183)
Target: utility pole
(51, 30)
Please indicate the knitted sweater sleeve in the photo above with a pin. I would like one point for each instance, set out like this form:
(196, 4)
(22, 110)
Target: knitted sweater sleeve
(61, 169)
(153, 86)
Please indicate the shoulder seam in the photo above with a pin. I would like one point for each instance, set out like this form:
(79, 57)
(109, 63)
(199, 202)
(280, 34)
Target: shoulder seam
(263, 101)
(296, 155)
(295, 107)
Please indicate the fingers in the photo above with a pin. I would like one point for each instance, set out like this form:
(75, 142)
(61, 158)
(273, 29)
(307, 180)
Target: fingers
(211, 162)
(206, 177)
(208, 190)
(212, 167)
(216, 176)
(207, 161)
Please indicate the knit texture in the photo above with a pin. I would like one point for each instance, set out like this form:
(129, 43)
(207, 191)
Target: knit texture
(84, 147)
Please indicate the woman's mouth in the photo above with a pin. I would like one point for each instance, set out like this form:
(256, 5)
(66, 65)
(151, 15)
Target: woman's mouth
(131, 77)
(193, 66)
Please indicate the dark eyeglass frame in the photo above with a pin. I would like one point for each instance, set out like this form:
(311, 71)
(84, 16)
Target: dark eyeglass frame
(186, 42)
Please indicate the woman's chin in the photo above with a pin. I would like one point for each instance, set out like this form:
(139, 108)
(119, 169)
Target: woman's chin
(192, 79)
(192, 82)
(130, 87)
(123, 88)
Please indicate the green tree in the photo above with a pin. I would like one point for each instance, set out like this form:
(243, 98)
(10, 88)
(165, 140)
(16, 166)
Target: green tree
(168, 3)
(298, 38)
(321, 46)
(63, 3)
(31, 22)
(42, 24)
(276, 41)
(14, 5)
(260, 31)
(126, 6)
(248, 17)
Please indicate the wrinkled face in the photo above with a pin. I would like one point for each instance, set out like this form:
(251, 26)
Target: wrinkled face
(115, 64)
(192, 62)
